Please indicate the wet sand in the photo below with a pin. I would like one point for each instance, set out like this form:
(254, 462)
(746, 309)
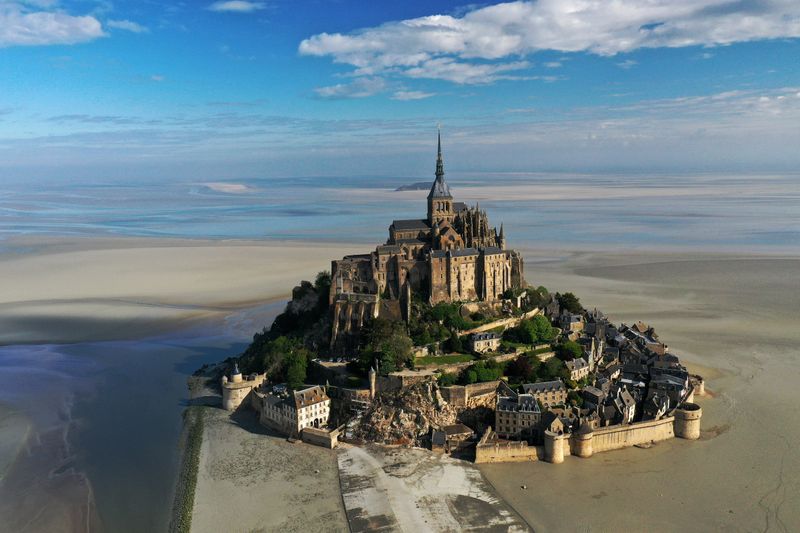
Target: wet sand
(252, 480)
(732, 318)
(73, 290)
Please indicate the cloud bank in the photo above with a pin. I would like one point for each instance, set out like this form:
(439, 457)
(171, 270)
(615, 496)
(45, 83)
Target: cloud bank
(20, 27)
(236, 6)
(485, 44)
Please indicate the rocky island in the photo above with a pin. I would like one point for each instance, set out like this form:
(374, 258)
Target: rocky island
(436, 340)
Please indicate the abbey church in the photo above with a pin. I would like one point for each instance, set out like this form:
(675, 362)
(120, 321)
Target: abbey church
(451, 255)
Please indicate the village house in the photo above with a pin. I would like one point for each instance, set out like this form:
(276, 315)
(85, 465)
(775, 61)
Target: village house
(517, 416)
(547, 393)
(578, 368)
(291, 412)
(484, 342)
(571, 322)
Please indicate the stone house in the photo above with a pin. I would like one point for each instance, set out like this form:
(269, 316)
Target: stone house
(517, 417)
(290, 413)
(578, 368)
(547, 393)
(484, 342)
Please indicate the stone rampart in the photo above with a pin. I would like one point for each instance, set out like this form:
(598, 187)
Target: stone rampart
(492, 450)
(503, 322)
(460, 395)
(505, 452)
(625, 436)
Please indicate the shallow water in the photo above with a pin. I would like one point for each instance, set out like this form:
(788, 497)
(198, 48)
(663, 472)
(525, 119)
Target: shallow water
(705, 211)
(121, 402)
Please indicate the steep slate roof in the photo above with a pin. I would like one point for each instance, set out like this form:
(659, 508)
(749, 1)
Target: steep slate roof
(309, 396)
(484, 336)
(492, 250)
(410, 224)
(440, 189)
(543, 386)
(464, 252)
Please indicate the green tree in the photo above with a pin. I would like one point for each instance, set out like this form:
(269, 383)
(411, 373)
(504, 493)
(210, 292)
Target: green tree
(454, 343)
(296, 364)
(569, 350)
(570, 302)
(522, 368)
(388, 343)
(553, 368)
(542, 330)
(447, 379)
(574, 398)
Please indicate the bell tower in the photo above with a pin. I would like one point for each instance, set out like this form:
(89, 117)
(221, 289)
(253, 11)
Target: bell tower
(440, 201)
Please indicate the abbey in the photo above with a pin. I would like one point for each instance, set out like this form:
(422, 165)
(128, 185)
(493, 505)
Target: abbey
(451, 255)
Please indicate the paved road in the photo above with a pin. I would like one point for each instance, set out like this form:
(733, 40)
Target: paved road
(412, 490)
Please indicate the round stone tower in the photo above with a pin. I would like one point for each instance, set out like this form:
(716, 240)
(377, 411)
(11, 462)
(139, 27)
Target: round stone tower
(554, 444)
(235, 389)
(687, 421)
(582, 439)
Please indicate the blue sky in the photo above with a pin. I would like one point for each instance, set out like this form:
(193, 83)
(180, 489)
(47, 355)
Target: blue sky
(234, 89)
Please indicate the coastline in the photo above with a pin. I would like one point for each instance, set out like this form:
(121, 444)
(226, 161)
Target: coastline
(190, 445)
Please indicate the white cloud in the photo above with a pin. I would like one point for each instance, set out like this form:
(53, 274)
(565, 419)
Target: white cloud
(157, 77)
(553, 64)
(445, 68)
(627, 64)
(237, 6)
(20, 27)
(411, 95)
(359, 88)
(127, 25)
(435, 46)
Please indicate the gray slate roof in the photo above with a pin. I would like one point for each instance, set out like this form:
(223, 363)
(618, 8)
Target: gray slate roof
(440, 189)
(410, 224)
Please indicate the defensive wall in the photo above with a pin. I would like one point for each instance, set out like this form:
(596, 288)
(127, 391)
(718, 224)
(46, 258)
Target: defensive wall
(236, 389)
(320, 437)
(503, 322)
(619, 436)
(492, 450)
(460, 395)
(684, 423)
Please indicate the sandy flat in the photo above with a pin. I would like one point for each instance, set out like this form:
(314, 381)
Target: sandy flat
(14, 430)
(68, 290)
(249, 480)
(733, 318)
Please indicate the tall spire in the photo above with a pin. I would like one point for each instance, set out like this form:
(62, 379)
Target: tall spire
(439, 162)
(439, 188)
